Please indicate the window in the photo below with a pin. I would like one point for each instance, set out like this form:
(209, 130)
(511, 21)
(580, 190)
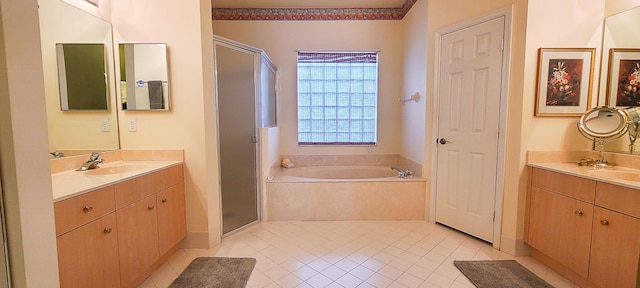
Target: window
(337, 98)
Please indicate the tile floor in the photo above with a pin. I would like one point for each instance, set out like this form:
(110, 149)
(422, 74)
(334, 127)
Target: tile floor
(351, 254)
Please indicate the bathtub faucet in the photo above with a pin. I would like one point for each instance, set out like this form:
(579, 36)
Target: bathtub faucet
(402, 173)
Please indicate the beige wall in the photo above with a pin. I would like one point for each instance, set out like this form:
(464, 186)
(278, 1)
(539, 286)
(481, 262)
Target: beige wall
(617, 6)
(281, 39)
(582, 28)
(24, 166)
(190, 123)
(413, 115)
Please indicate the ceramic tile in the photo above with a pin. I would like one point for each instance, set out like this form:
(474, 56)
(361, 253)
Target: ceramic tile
(351, 254)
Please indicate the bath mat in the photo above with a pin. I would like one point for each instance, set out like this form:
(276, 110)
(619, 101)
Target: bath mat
(216, 272)
(499, 274)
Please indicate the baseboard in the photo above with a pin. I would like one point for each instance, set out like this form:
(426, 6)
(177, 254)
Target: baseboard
(515, 247)
(196, 240)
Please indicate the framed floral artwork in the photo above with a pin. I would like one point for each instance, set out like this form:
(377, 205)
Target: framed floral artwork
(623, 82)
(565, 76)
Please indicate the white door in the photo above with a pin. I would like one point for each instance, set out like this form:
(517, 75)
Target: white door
(468, 122)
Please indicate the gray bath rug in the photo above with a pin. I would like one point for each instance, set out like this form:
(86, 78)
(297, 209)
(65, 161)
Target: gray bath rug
(216, 272)
(500, 274)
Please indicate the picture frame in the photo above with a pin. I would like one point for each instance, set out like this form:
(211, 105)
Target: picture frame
(564, 82)
(623, 79)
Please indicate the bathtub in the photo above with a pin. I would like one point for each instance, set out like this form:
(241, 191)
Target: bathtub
(343, 193)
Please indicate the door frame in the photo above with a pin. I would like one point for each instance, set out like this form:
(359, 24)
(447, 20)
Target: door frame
(507, 13)
(256, 53)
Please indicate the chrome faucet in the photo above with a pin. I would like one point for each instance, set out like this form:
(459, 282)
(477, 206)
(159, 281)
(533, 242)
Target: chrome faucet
(402, 173)
(92, 163)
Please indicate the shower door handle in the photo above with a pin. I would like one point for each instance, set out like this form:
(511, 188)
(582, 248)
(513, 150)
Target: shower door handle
(254, 139)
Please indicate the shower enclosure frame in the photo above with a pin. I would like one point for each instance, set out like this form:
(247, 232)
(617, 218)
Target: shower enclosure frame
(264, 116)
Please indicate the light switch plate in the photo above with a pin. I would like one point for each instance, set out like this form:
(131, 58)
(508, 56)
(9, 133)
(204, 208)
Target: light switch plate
(104, 125)
(133, 125)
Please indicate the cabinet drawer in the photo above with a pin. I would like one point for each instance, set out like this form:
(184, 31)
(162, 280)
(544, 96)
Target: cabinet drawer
(76, 211)
(135, 189)
(172, 176)
(622, 199)
(571, 186)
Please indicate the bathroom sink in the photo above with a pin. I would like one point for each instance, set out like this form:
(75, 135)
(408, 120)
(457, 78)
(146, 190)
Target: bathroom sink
(114, 169)
(617, 174)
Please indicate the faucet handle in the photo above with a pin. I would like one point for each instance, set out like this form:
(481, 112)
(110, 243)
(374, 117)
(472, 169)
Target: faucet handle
(585, 161)
(95, 157)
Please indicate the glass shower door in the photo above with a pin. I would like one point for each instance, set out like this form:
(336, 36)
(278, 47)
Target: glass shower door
(236, 94)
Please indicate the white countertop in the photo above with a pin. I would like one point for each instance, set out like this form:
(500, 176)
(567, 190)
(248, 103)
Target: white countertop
(584, 172)
(72, 183)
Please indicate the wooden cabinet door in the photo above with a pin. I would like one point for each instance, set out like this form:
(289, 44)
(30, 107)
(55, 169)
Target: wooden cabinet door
(88, 256)
(172, 221)
(560, 227)
(137, 239)
(615, 249)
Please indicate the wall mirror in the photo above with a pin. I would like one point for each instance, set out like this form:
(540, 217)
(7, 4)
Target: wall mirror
(617, 34)
(82, 76)
(73, 132)
(144, 76)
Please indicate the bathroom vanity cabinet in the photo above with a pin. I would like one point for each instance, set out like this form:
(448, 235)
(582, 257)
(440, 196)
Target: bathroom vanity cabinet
(116, 236)
(586, 230)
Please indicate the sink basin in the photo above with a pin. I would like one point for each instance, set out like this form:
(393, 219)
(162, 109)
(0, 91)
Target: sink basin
(617, 174)
(114, 169)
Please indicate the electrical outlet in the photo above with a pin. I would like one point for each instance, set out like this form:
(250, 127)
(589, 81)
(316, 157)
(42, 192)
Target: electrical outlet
(133, 125)
(104, 125)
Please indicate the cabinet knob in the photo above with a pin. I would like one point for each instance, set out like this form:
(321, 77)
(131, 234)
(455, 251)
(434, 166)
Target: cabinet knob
(107, 230)
(164, 200)
(87, 209)
(604, 222)
(151, 207)
(578, 212)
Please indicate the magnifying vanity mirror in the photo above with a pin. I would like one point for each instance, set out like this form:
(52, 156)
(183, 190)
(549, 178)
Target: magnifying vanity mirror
(144, 76)
(73, 132)
(603, 124)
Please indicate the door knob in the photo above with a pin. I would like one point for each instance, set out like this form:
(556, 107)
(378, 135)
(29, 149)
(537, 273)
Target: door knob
(444, 141)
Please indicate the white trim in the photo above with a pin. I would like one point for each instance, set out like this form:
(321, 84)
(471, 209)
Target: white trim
(507, 13)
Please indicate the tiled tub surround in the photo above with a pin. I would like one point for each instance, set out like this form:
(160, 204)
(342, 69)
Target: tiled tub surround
(326, 188)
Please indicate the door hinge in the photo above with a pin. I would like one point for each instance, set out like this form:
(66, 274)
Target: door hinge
(502, 44)
(254, 139)
(494, 216)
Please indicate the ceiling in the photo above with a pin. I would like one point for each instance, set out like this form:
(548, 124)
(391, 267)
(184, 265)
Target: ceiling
(272, 4)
